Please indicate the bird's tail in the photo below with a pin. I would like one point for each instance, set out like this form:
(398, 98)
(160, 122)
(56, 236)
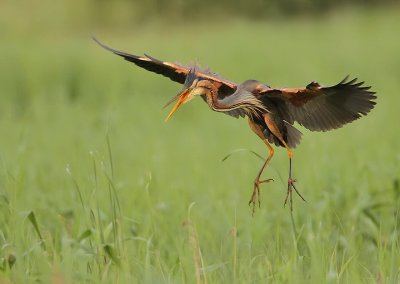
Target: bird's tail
(290, 134)
(293, 135)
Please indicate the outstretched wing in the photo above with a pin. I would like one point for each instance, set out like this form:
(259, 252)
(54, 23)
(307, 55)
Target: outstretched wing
(174, 71)
(321, 108)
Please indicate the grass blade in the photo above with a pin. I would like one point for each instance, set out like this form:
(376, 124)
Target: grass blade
(241, 150)
(110, 251)
(32, 218)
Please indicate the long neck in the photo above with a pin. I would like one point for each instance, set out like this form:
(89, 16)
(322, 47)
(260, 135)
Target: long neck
(212, 100)
(239, 100)
(210, 91)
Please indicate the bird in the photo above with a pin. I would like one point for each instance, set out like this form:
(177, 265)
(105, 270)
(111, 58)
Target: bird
(271, 112)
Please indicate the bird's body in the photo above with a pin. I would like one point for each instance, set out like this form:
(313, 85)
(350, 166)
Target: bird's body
(271, 112)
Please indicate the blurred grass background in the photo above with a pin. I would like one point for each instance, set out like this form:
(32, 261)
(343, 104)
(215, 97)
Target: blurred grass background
(95, 187)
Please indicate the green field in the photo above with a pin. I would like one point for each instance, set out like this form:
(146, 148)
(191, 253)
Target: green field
(95, 187)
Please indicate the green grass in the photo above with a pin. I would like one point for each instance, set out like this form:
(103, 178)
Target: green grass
(95, 187)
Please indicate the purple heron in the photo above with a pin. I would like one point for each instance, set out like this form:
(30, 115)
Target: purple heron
(271, 112)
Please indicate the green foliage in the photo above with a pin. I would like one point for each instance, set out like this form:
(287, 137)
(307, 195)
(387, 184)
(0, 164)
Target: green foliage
(95, 187)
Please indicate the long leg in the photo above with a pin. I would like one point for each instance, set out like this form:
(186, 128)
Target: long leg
(256, 190)
(275, 130)
(291, 181)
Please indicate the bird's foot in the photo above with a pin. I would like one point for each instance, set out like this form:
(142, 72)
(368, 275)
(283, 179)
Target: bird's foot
(256, 196)
(291, 186)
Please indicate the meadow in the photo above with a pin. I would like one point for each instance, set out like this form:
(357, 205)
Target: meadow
(95, 187)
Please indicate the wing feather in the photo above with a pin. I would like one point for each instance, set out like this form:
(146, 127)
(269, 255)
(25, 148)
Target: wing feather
(321, 108)
(174, 71)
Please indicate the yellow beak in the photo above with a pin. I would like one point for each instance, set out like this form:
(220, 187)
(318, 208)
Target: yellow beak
(182, 98)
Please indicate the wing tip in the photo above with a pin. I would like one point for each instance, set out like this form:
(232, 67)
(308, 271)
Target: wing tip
(357, 85)
(98, 42)
(105, 46)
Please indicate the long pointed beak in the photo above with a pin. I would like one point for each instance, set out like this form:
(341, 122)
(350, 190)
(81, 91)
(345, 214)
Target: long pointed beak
(172, 100)
(182, 98)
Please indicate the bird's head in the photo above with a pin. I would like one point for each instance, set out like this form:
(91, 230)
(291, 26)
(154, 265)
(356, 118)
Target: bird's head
(194, 86)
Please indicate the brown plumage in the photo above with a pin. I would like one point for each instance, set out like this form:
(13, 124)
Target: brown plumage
(271, 112)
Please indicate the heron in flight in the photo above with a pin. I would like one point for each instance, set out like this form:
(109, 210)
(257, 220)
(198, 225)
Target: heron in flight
(271, 112)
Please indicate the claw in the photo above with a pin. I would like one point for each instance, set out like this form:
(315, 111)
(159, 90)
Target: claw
(291, 186)
(256, 193)
(266, 180)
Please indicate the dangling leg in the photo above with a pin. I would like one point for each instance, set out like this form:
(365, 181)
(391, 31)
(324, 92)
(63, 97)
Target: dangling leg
(257, 180)
(275, 130)
(256, 190)
(291, 182)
